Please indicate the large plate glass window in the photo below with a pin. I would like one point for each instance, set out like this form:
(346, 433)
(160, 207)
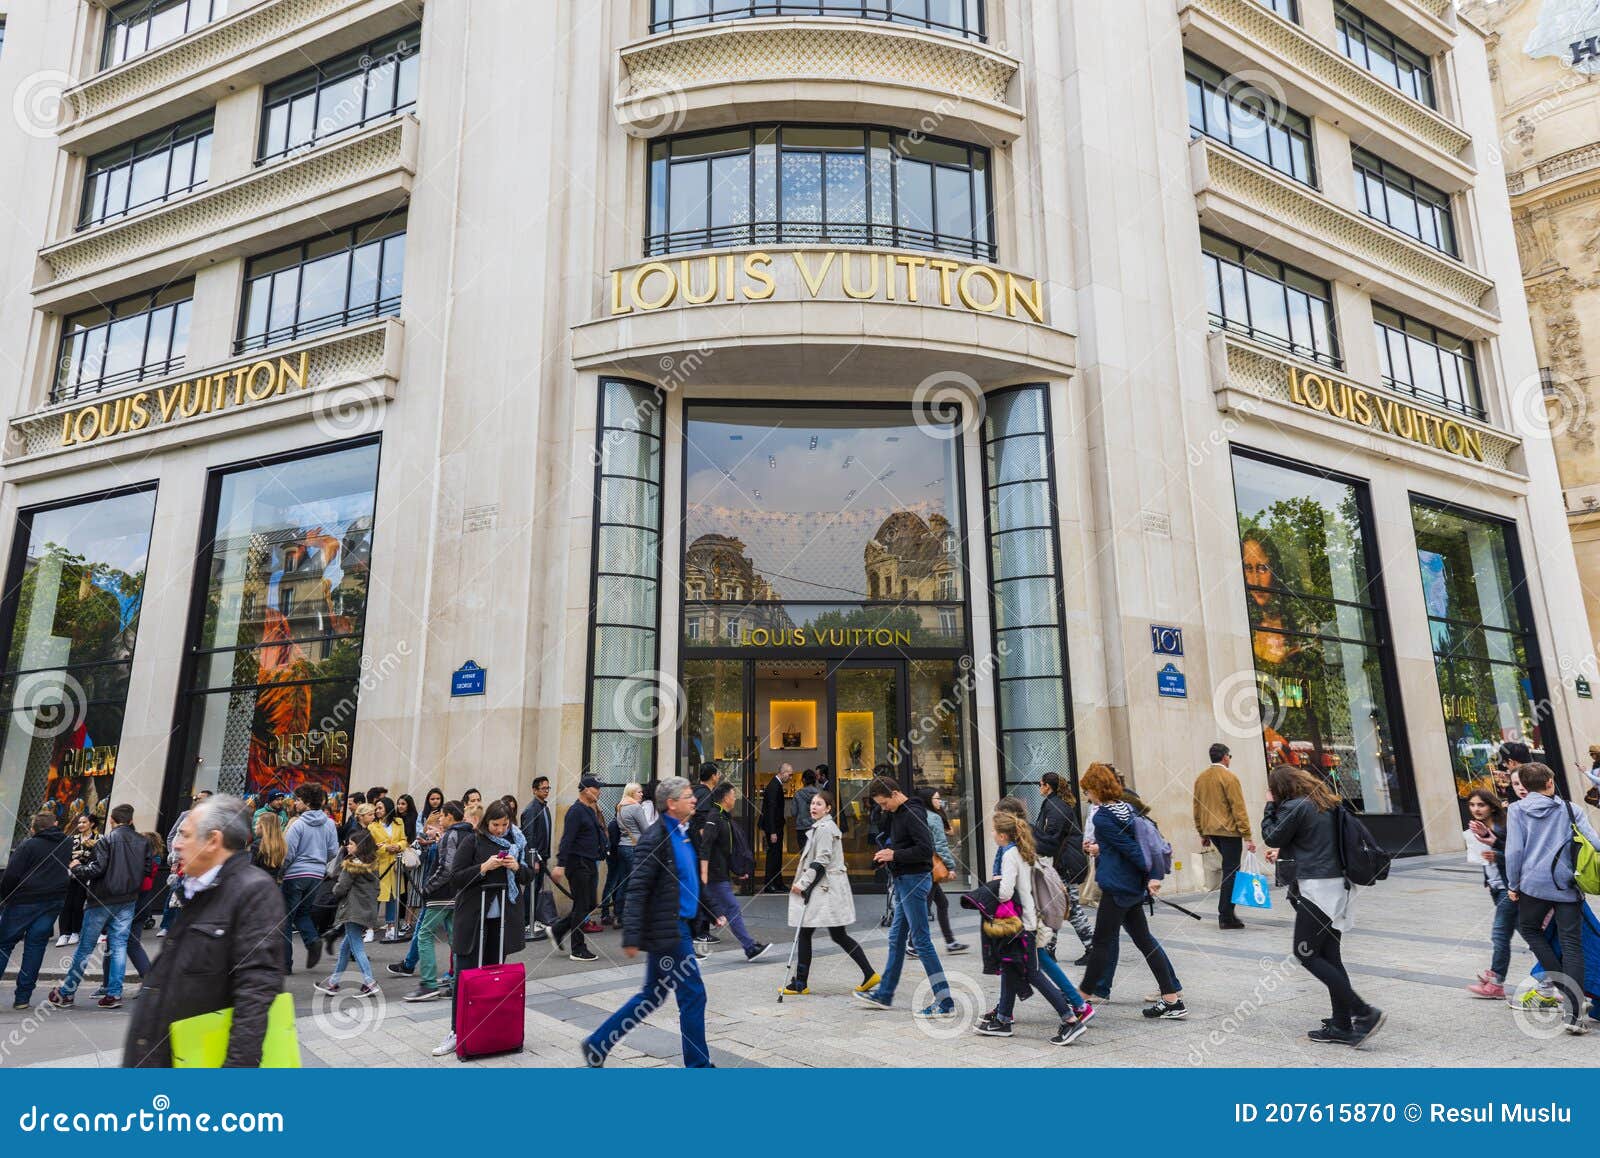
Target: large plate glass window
(143, 26)
(1035, 707)
(274, 674)
(1396, 198)
(351, 276)
(147, 171)
(815, 184)
(366, 84)
(1491, 685)
(146, 336)
(1318, 630)
(1424, 361)
(1384, 54)
(74, 591)
(1251, 294)
(1229, 109)
(955, 17)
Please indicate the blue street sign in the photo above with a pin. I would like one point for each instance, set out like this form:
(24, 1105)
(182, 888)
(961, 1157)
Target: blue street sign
(1166, 640)
(467, 680)
(1172, 683)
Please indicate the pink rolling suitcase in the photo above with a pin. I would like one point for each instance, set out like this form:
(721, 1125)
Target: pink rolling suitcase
(491, 1000)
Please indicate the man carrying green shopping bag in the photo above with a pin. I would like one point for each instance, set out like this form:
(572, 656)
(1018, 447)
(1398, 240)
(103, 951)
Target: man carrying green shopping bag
(226, 949)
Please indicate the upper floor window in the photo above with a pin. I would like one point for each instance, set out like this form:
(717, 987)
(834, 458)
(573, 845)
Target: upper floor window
(959, 17)
(1249, 120)
(801, 184)
(1399, 200)
(160, 165)
(145, 336)
(1384, 54)
(333, 281)
(364, 85)
(1426, 362)
(142, 26)
(1251, 294)
(1288, 9)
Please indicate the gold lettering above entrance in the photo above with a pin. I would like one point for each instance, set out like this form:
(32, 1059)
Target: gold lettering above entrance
(1367, 408)
(181, 401)
(825, 637)
(837, 274)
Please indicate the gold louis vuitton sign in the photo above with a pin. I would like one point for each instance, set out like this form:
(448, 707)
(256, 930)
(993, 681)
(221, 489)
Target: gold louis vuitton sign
(220, 390)
(834, 274)
(1376, 411)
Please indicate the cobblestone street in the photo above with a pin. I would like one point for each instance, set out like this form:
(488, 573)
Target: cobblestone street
(1421, 937)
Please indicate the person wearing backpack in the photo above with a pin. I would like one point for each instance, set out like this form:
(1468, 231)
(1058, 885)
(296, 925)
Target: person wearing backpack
(1060, 843)
(722, 860)
(1020, 973)
(1302, 822)
(1542, 876)
(1122, 869)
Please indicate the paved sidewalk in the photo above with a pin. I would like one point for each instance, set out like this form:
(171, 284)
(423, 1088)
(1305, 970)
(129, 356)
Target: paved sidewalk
(1420, 937)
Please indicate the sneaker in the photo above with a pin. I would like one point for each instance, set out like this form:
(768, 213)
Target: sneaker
(869, 984)
(61, 941)
(791, 991)
(1330, 1034)
(72, 940)
(100, 992)
(400, 970)
(1535, 998)
(992, 1026)
(592, 1057)
(160, 933)
(331, 990)
(445, 1047)
(870, 999)
(593, 927)
(1489, 989)
(21, 1006)
(1167, 1010)
(540, 933)
(582, 955)
(109, 1002)
(1081, 962)
(936, 1011)
(955, 947)
(1361, 1028)
(1069, 1032)
(369, 989)
(424, 993)
(313, 954)
(757, 951)
(60, 999)
(1577, 1028)
(366, 938)
(1083, 1013)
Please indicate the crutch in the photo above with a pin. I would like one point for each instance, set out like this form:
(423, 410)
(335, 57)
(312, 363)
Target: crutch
(788, 970)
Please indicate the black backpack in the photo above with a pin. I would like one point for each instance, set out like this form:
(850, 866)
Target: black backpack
(1365, 863)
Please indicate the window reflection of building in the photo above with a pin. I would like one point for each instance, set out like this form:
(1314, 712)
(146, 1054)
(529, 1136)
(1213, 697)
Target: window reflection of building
(909, 559)
(718, 564)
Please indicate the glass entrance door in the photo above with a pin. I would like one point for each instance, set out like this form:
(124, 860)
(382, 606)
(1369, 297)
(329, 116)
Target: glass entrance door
(867, 711)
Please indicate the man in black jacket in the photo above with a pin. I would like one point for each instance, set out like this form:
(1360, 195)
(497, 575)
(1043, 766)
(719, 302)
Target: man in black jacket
(710, 777)
(718, 868)
(538, 825)
(113, 878)
(773, 820)
(908, 853)
(223, 952)
(32, 892)
(663, 905)
(583, 847)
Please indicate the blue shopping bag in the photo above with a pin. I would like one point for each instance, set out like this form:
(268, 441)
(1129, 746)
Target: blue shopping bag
(1250, 884)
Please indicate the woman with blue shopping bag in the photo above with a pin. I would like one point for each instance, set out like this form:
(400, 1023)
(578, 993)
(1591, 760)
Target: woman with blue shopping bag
(1301, 824)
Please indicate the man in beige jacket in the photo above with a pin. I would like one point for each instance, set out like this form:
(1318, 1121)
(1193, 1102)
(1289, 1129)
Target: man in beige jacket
(1221, 820)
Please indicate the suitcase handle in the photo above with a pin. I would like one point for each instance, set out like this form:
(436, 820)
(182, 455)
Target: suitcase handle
(483, 920)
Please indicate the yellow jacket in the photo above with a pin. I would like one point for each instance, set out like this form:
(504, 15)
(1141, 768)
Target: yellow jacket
(1219, 804)
(389, 883)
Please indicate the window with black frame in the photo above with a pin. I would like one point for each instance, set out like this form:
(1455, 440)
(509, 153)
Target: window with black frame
(140, 337)
(957, 17)
(73, 595)
(1318, 631)
(351, 276)
(1424, 361)
(148, 171)
(1404, 202)
(1385, 55)
(809, 184)
(143, 26)
(1491, 685)
(275, 661)
(1243, 117)
(1288, 9)
(1263, 299)
(364, 85)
